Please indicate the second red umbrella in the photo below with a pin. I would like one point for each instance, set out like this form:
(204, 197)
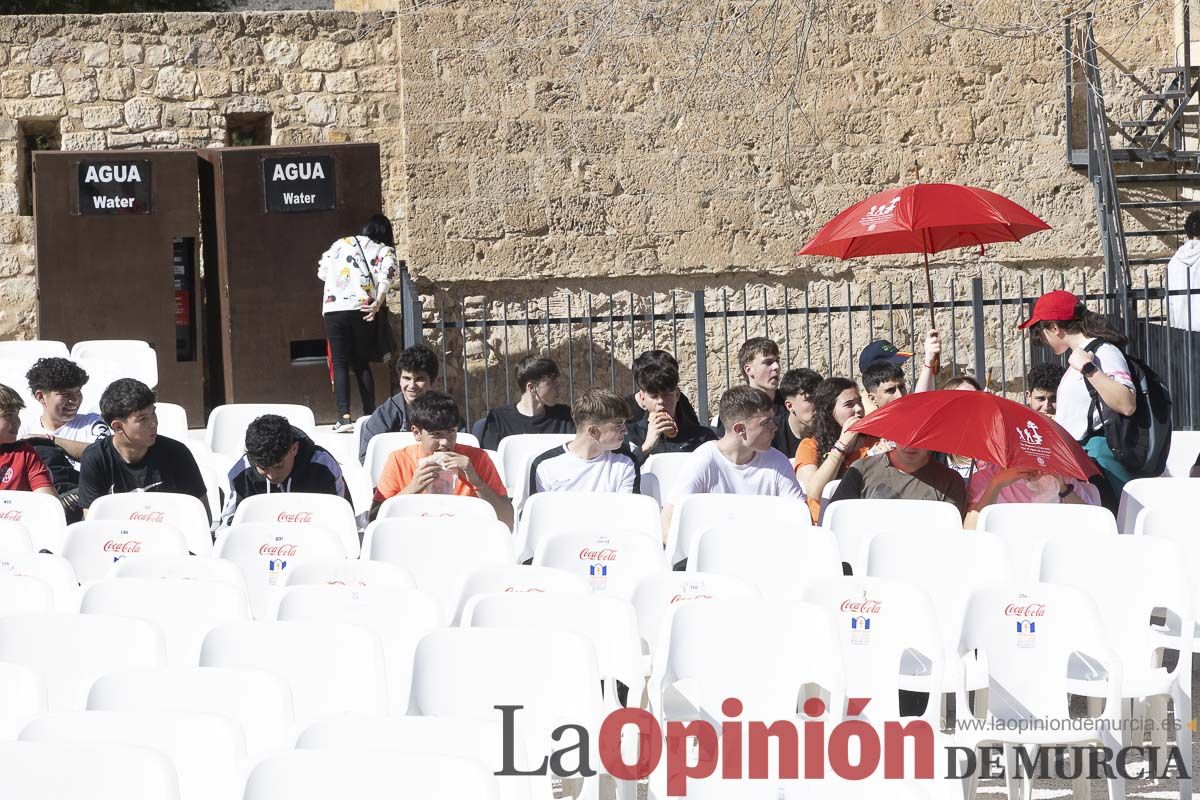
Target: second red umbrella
(983, 426)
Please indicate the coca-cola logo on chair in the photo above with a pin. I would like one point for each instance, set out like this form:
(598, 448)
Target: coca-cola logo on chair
(277, 550)
(148, 516)
(127, 546)
(294, 516)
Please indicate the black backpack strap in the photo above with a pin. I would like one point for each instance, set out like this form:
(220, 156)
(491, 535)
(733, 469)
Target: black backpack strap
(1094, 408)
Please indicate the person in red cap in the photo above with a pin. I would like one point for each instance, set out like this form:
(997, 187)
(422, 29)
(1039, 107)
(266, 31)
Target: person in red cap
(1096, 360)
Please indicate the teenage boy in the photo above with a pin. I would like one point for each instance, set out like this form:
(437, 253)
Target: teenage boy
(596, 460)
(659, 359)
(135, 458)
(57, 385)
(20, 468)
(758, 359)
(905, 472)
(281, 458)
(538, 410)
(437, 464)
(742, 461)
(417, 367)
(883, 350)
(1042, 394)
(665, 428)
(796, 386)
(883, 382)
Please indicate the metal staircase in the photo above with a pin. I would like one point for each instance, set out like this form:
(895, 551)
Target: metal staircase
(1141, 170)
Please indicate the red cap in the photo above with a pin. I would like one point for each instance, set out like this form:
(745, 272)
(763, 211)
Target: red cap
(1056, 306)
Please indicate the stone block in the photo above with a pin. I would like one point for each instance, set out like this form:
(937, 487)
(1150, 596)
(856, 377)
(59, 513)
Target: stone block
(8, 129)
(99, 117)
(175, 83)
(320, 110)
(582, 216)
(503, 178)
(244, 52)
(524, 136)
(248, 104)
(378, 79)
(90, 140)
(340, 82)
(280, 51)
(432, 100)
(97, 54)
(159, 55)
(37, 108)
(52, 51)
(9, 201)
(203, 53)
(473, 220)
(14, 84)
(143, 113)
(525, 219)
(132, 53)
(3, 55)
(300, 82)
(260, 80)
(115, 84)
(358, 54)
(213, 83)
(556, 96)
(321, 55)
(433, 180)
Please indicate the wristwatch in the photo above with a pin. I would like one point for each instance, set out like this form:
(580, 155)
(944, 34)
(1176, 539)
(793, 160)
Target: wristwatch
(1088, 368)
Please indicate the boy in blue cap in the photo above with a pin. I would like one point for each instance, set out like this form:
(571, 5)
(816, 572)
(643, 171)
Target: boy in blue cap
(883, 379)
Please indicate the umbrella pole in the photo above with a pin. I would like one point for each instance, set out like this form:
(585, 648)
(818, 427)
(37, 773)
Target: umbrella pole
(935, 365)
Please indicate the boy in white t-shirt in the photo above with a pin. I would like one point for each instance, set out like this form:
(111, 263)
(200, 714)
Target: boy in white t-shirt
(596, 460)
(740, 462)
(57, 385)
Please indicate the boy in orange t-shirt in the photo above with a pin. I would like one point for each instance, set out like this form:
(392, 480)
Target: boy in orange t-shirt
(438, 464)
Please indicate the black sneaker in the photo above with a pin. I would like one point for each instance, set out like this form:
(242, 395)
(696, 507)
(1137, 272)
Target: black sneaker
(344, 425)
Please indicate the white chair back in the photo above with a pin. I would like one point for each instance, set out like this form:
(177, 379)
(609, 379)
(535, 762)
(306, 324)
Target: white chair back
(1185, 450)
(94, 546)
(699, 512)
(1142, 493)
(55, 571)
(351, 572)
(549, 513)
(612, 563)
(659, 473)
(265, 551)
(137, 359)
(780, 563)
(181, 511)
(322, 774)
(517, 452)
(513, 578)
(226, 430)
(296, 509)
(41, 514)
(55, 770)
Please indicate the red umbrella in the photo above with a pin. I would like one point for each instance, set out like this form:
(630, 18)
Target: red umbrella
(983, 426)
(923, 218)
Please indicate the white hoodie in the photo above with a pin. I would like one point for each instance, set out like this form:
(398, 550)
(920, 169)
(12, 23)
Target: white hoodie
(1184, 271)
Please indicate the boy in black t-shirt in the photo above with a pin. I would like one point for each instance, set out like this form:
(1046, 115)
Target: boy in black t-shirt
(134, 458)
(537, 411)
(663, 429)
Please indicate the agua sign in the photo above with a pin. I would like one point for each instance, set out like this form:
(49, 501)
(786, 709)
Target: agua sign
(114, 187)
(299, 183)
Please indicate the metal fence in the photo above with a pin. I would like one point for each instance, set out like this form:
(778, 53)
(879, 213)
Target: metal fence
(595, 335)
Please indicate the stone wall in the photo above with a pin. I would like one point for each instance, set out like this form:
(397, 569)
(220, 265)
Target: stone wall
(604, 146)
(169, 80)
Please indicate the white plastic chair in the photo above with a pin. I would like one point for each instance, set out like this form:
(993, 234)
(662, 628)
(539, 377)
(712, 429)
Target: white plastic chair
(324, 774)
(303, 508)
(1001, 518)
(890, 640)
(332, 667)
(342, 447)
(204, 748)
(53, 570)
(261, 702)
(1024, 545)
(1185, 449)
(348, 572)
(699, 512)
(12, 375)
(172, 421)
(780, 563)
(226, 430)
(761, 652)
(462, 738)
(659, 473)
(435, 505)
(466, 672)
(657, 595)
(827, 494)
(101, 373)
(215, 471)
(41, 514)
(69, 651)
(855, 522)
(22, 697)
(608, 622)
(182, 567)
(513, 578)
(494, 455)
(549, 513)
(14, 537)
(362, 491)
(517, 452)
(1142, 493)
(137, 359)
(399, 616)
(182, 511)
(441, 553)
(95, 545)
(1030, 635)
(382, 445)
(1130, 578)
(91, 770)
(184, 610)
(25, 594)
(613, 563)
(265, 551)
(31, 350)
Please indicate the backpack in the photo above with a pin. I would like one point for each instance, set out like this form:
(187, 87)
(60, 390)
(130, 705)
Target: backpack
(1141, 441)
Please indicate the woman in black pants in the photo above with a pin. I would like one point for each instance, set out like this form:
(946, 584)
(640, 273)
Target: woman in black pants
(357, 271)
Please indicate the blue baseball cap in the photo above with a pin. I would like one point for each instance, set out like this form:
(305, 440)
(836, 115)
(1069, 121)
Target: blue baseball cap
(881, 350)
